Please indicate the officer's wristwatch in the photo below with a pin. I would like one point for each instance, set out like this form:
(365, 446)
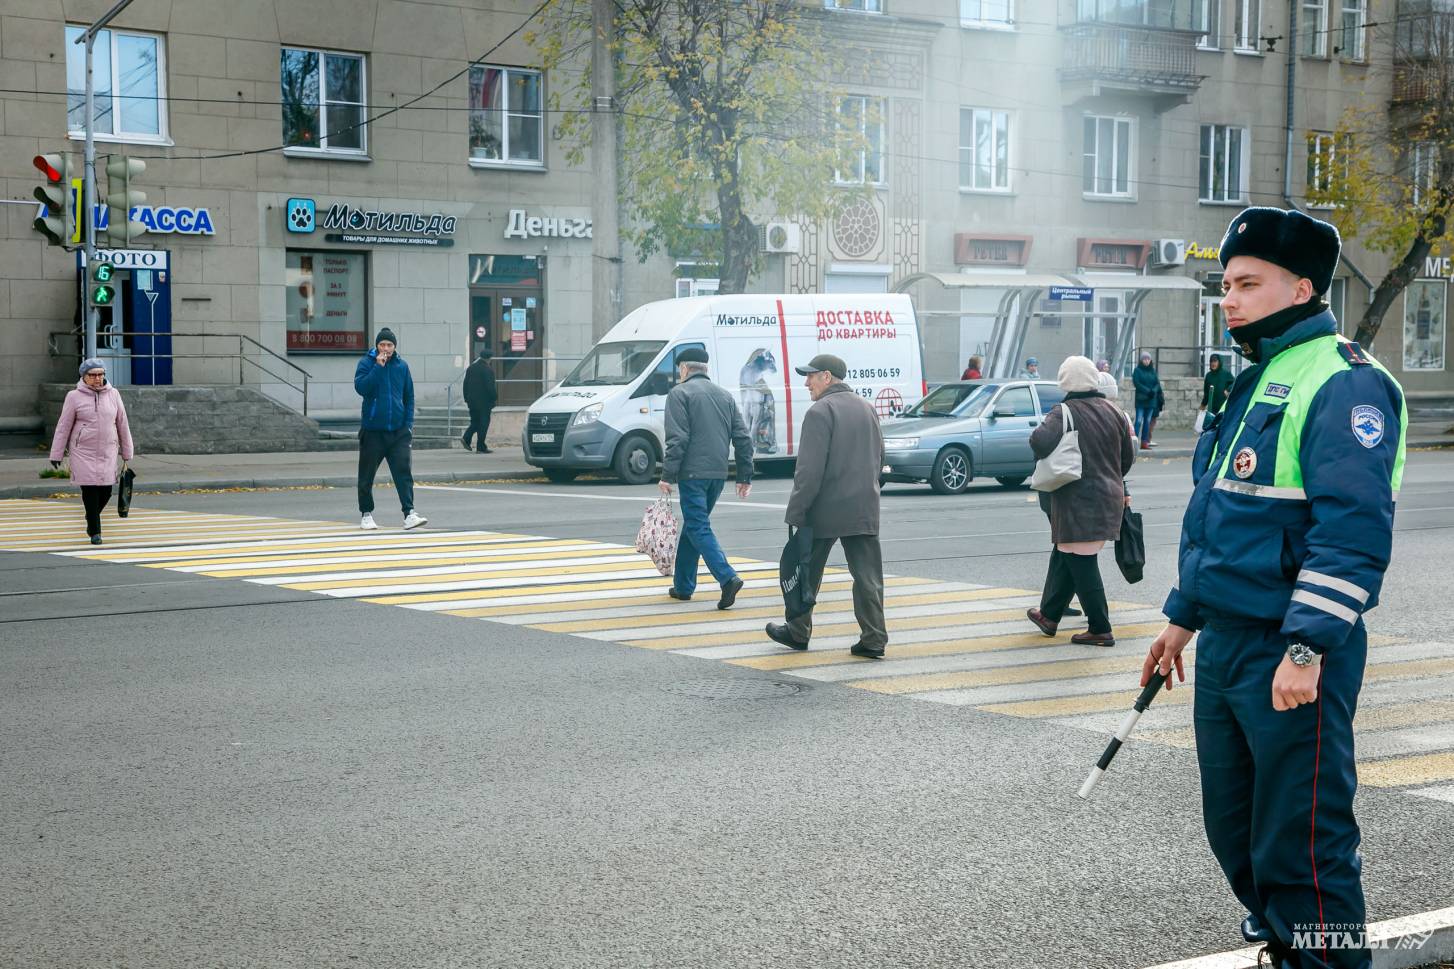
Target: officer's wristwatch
(1301, 654)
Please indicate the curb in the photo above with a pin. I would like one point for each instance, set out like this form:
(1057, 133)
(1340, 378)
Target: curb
(56, 485)
(1411, 942)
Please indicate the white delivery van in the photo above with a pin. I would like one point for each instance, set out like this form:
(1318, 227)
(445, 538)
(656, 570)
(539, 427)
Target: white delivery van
(610, 411)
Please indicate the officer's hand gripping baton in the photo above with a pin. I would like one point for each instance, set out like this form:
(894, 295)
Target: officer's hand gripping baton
(1158, 679)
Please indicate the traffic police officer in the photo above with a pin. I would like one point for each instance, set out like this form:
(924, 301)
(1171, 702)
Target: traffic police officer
(1283, 548)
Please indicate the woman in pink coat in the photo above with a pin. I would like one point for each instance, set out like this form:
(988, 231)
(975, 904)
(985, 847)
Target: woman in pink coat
(91, 430)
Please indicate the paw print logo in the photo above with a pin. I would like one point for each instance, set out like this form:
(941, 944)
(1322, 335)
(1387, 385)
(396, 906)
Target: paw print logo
(302, 214)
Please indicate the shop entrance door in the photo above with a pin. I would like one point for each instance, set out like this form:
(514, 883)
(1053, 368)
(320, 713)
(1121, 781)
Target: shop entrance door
(507, 314)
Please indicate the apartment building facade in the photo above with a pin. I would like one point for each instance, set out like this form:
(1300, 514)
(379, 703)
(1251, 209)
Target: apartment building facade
(1011, 147)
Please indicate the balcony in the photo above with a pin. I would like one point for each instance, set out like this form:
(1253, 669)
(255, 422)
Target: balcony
(1159, 63)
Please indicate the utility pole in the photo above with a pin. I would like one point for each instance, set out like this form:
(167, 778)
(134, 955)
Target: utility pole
(606, 274)
(88, 214)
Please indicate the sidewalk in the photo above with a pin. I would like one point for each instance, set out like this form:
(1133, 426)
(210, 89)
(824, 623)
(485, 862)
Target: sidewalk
(338, 469)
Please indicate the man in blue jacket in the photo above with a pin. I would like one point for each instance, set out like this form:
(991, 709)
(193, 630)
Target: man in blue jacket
(386, 427)
(1283, 549)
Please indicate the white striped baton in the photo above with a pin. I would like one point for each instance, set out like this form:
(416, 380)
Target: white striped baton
(1158, 679)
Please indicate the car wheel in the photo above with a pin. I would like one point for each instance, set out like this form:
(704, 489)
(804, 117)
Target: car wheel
(1013, 481)
(560, 475)
(635, 461)
(952, 472)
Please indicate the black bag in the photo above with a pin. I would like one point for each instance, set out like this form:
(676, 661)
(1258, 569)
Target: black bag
(123, 492)
(794, 575)
(1131, 546)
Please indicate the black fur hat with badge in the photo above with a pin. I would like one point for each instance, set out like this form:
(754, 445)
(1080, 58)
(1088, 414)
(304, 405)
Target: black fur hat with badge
(1304, 246)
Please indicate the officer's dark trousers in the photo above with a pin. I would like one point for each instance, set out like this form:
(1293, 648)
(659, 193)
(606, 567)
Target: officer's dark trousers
(1277, 792)
(391, 446)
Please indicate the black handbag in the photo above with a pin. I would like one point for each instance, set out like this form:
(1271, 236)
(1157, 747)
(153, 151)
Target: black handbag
(123, 492)
(1131, 547)
(794, 573)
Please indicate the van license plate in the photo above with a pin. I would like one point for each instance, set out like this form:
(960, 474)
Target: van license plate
(542, 439)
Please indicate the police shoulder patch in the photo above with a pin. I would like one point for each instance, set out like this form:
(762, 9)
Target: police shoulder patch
(1367, 423)
(1353, 353)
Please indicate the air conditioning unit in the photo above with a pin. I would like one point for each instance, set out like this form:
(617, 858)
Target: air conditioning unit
(780, 237)
(1168, 252)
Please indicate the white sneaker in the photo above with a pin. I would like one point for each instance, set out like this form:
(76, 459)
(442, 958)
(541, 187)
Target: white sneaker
(367, 524)
(414, 520)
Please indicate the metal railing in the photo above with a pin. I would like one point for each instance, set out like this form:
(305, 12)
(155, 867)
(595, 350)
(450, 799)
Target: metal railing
(1162, 58)
(249, 353)
(1191, 361)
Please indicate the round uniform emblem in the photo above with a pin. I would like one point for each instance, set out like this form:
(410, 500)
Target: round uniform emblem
(1244, 463)
(1242, 228)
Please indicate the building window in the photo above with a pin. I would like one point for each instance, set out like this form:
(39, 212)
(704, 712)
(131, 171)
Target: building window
(861, 118)
(1423, 170)
(327, 301)
(1327, 167)
(1207, 18)
(1424, 305)
(506, 121)
(866, 6)
(1337, 298)
(1248, 24)
(1223, 169)
(1107, 156)
(1314, 28)
(986, 13)
(323, 101)
(984, 150)
(1350, 32)
(129, 73)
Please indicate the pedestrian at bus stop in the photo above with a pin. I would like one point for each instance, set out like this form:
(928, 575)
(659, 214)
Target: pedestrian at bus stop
(480, 396)
(1149, 398)
(972, 370)
(1284, 546)
(702, 421)
(386, 427)
(91, 431)
(835, 493)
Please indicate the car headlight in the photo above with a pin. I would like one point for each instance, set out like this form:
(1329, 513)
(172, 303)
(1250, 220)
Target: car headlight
(587, 415)
(900, 443)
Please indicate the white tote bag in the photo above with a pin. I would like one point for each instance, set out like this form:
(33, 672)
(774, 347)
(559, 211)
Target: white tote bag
(1061, 466)
(658, 535)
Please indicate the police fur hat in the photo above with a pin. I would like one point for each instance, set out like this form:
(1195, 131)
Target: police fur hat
(1304, 246)
(692, 355)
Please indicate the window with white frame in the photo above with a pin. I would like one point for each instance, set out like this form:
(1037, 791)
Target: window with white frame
(323, 101)
(129, 71)
(1425, 305)
(860, 119)
(1354, 14)
(1423, 169)
(1337, 298)
(1327, 166)
(1207, 19)
(1248, 24)
(866, 6)
(984, 150)
(1223, 167)
(986, 13)
(1313, 28)
(507, 125)
(1108, 146)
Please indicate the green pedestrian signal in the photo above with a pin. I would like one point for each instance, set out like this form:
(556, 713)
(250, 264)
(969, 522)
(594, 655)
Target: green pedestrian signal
(103, 295)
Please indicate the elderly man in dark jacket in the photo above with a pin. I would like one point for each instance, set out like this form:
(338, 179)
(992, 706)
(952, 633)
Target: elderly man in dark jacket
(480, 396)
(835, 493)
(701, 421)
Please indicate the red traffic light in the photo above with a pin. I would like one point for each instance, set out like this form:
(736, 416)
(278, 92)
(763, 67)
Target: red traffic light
(49, 170)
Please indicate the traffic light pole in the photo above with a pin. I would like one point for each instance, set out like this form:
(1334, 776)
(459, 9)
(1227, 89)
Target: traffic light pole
(88, 233)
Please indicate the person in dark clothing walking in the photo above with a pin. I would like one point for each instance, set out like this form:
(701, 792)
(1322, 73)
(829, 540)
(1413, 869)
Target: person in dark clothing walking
(1149, 399)
(1216, 385)
(386, 427)
(702, 419)
(480, 395)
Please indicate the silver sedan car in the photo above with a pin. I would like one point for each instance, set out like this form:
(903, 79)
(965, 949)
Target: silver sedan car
(968, 429)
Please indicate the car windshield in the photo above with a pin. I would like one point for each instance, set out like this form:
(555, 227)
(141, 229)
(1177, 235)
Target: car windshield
(614, 364)
(953, 400)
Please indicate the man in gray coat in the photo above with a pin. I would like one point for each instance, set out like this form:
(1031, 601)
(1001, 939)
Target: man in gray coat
(835, 493)
(701, 421)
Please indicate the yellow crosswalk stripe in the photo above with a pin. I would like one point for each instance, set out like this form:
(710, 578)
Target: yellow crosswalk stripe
(458, 595)
(463, 575)
(313, 545)
(964, 679)
(1069, 706)
(229, 570)
(1397, 715)
(223, 558)
(1409, 771)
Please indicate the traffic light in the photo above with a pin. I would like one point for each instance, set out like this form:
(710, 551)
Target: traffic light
(58, 223)
(101, 292)
(120, 200)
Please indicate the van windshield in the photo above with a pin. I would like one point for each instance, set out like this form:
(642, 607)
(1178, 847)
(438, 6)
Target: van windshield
(614, 364)
(953, 400)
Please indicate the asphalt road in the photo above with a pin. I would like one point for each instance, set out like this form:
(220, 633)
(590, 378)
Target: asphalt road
(206, 771)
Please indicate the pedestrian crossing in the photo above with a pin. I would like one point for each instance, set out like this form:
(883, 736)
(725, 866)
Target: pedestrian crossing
(952, 643)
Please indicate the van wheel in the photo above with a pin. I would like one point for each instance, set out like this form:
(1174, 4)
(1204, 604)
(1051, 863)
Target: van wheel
(635, 461)
(1013, 481)
(560, 475)
(952, 472)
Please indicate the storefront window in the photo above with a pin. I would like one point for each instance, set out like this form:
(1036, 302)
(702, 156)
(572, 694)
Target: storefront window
(1424, 307)
(327, 300)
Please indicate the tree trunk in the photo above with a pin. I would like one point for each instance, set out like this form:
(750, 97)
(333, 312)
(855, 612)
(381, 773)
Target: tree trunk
(1396, 281)
(739, 238)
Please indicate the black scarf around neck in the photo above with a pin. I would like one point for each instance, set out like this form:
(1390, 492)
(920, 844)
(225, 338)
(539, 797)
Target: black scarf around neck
(1249, 336)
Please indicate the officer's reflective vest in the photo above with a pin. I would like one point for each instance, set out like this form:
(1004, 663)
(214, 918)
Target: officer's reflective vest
(1292, 517)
